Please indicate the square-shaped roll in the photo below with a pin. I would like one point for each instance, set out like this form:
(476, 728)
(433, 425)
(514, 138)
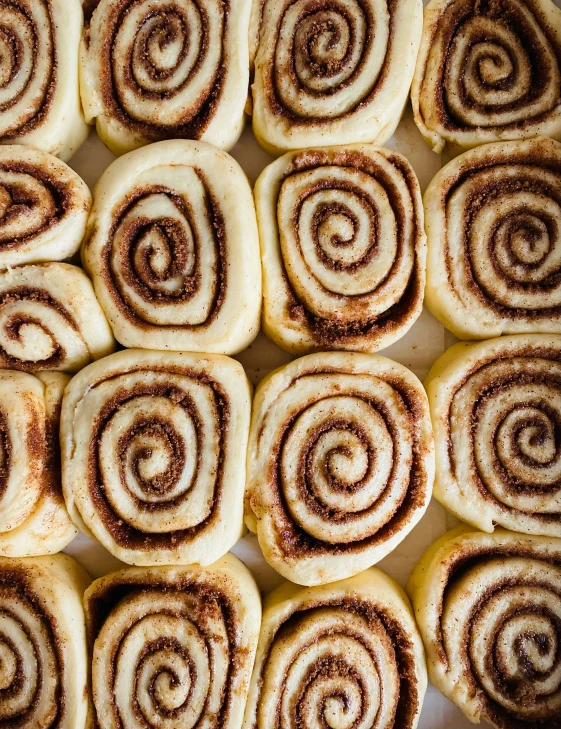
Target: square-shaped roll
(488, 608)
(343, 655)
(488, 72)
(340, 464)
(496, 410)
(493, 221)
(172, 646)
(153, 70)
(50, 319)
(153, 455)
(40, 98)
(173, 249)
(44, 207)
(331, 71)
(343, 248)
(43, 666)
(33, 516)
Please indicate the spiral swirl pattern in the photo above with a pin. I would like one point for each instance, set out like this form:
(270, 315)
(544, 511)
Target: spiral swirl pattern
(42, 644)
(50, 319)
(44, 207)
(345, 656)
(166, 70)
(173, 646)
(33, 517)
(342, 238)
(153, 455)
(26, 80)
(488, 71)
(489, 610)
(39, 74)
(333, 71)
(174, 251)
(340, 464)
(496, 410)
(493, 219)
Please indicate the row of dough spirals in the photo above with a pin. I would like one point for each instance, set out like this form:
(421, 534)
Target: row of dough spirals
(336, 241)
(192, 647)
(321, 71)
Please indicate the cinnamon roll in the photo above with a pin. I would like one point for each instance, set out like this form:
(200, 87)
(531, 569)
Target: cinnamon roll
(489, 610)
(33, 517)
(496, 410)
(331, 71)
(343, 248)
(50, 319)
(44, 207)
(153, 455)
(342, 655)
(154, 70)
(488, 71)
(173, 249)
(43, 655)
(340, 464)
(493, 221)
(173, 646)
(39, 95)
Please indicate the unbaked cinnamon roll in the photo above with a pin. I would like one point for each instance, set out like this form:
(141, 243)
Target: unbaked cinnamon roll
(173, 249)
(343, 655)
(331, 71)
(493, 221)
(340, 464)
(44, 207)
(43, 655)
(154, 70)
(489, 610)
(33, 517)
(153, 455)
(496, 411)
(343, 248)
(39, 95)
(172, 646)
(50, 319)
(488, 71)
